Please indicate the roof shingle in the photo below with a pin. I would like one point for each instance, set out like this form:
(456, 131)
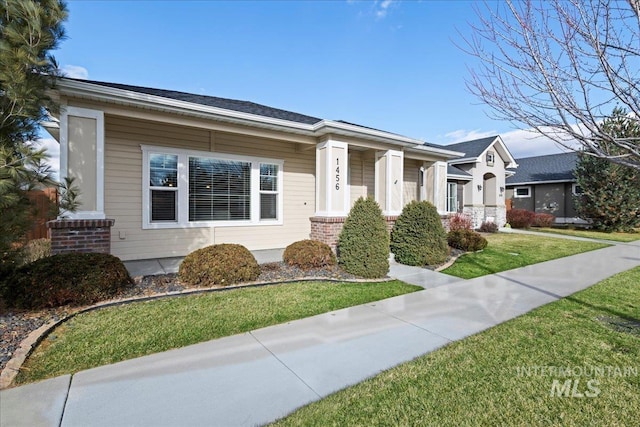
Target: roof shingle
(472, 148)
(553, 167)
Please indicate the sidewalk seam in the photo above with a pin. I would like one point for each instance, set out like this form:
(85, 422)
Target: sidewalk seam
(66, 398)
(373, 307)
(285, 365)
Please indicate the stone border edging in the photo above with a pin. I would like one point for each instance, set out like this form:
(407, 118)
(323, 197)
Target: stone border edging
(26, 347)
(449, 263)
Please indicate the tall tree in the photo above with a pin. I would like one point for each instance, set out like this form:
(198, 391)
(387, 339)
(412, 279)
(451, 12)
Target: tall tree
(29, 30)
(610, 192)
(558, 67)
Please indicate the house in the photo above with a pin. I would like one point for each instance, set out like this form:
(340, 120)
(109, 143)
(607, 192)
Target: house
(546, 184)
(476, 181)
(162, 173)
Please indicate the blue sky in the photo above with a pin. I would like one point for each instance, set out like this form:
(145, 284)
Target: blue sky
(391, 65)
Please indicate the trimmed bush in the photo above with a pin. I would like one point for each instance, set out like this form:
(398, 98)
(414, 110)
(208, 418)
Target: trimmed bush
(73, 278)
(418, 237)
(460, 222)
(221, 265)
(363, 244)
(489, 227)
(520, 218)
(466, 240)
(544, 220)
(307, 254)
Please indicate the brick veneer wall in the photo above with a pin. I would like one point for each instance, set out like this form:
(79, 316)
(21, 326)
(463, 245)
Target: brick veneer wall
(327, 229)
(80, 235)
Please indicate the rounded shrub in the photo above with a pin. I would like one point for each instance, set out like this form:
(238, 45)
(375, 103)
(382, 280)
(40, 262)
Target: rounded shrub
(363, 244)
(72, 278)
(488, 227)
(466, 240)
(544, 220)
(309, 254)
(222, 265)
(520, 218)
(418, 237)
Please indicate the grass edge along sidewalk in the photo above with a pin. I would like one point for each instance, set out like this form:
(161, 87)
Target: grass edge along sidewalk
(571, 362)
(124, 332)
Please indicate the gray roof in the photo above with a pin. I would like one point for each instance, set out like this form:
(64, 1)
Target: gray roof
(452, 170)
(472, 148)
(213, 101)
(553, 167)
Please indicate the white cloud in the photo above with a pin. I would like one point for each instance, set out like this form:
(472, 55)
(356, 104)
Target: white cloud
(461, 135)
(382, 8)
(53, 150)
(75, 72)
(524, 143)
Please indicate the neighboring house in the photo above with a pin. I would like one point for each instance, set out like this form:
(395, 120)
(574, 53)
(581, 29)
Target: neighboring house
(476, 182)
(546, 184)
(168, 172)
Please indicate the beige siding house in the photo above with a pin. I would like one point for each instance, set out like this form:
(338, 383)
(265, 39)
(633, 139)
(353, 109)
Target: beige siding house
(177, 171)
(481, 173)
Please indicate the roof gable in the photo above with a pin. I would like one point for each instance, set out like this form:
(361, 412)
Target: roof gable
(539, 169)
(476, 148)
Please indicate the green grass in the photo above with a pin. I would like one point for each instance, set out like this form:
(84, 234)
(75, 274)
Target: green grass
(477, 381)
(591, 234)
(118, 333)
(507, 251)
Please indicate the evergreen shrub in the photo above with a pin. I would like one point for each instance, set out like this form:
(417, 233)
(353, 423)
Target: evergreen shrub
(466, 240)
(363, 244)
(418, 237)
(219, 265)
(72, 278)
(308, 254)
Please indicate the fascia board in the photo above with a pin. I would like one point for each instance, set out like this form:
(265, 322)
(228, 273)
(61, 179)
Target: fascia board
(559, 181)
(143, 100)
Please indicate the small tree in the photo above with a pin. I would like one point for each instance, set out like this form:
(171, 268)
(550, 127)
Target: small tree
(418, 237)
(610, 196)
(29, 30)
(363, 244)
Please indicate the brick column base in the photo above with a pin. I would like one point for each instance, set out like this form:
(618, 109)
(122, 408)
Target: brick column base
(327, 229)
(80, 235)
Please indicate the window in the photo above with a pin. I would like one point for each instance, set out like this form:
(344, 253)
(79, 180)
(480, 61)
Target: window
(521, 192)
(197, 189)
(452, 197)
(576, 189)
(163, 186)
(490, 158)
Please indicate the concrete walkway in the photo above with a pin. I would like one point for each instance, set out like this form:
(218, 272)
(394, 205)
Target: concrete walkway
(258, 377)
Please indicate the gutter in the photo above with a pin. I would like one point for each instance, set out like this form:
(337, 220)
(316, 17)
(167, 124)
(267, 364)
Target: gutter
(324, 127)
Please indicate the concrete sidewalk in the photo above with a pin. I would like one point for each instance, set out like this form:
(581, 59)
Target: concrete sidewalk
(257, 377)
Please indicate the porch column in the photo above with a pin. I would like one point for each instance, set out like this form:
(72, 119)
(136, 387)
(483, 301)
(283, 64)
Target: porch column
(332, 193)
(82, 157)
(440, 187)
(389, 181)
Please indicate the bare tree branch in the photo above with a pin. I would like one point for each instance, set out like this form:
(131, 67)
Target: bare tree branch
(559, 68)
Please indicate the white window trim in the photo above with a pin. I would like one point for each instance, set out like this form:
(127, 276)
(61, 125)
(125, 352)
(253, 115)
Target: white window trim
(573, 189)
(516, 196)
(455, 185)
(183, 186)
(98, 116)
(493, 158)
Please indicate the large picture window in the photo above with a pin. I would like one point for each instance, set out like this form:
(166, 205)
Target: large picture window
(195, 189)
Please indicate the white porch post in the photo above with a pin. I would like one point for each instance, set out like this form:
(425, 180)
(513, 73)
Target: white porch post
(82, 157)
(332, 195)
(389, 181)
(440, 186)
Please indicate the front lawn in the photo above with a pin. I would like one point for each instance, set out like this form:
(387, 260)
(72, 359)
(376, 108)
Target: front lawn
(118, 333)
(506, 375)
(506, 251)
(591, 234)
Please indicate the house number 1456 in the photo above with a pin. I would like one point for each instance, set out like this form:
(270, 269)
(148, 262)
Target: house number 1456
(338, 173)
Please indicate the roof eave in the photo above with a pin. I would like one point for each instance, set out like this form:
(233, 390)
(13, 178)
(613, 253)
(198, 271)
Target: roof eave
(557, 181)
